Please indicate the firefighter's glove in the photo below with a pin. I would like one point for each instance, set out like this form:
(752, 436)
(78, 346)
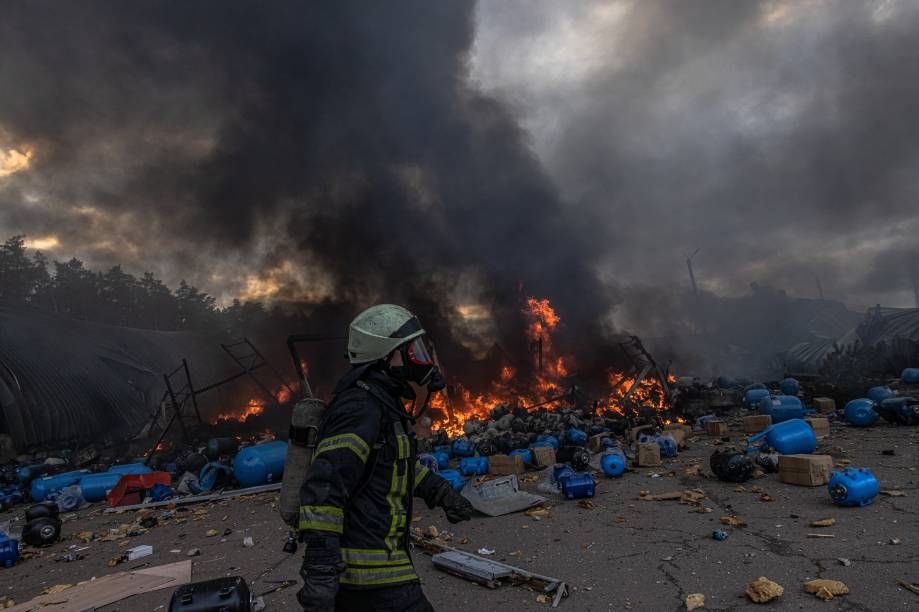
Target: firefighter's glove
(456, 507)
(322, 567)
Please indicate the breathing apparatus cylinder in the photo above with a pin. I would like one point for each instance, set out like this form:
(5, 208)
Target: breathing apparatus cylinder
(301, 446)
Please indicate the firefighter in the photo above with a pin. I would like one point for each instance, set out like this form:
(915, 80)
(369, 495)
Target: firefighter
(356, 499)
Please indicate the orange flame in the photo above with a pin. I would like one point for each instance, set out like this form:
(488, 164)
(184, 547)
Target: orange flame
(255, 406)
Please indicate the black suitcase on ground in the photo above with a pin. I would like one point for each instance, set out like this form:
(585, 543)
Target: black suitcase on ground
(219, 595)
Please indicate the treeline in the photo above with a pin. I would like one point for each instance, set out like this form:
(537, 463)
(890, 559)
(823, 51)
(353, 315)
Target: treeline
(68, 288)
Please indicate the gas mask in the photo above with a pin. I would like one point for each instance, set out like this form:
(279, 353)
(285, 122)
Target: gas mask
(418, 366)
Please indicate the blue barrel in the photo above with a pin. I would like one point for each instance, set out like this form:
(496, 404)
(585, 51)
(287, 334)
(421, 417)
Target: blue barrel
(473, 466)
(443, 459)
(463, 448)
(853, 487)
(790, 386)
(879, 394)
(910, 376)
(261, 464)
(752, 397)
(793, 437)
(130, 468)
(561, 471)
(782, 407)
(612, 463)
(429, 461)
(526, 453)
(42, 487)
(455, 479)
(575, 436)
(444, 448)
(9, 550)
(212, 476)
(666, 443)
(28, 473)
(94, 487)
(579, 486)
(860, 413)
(547, 439)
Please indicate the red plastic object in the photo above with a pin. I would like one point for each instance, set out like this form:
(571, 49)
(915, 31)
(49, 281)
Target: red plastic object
(130, 489)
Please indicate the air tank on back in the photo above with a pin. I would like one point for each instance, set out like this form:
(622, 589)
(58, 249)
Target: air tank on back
(260, 464)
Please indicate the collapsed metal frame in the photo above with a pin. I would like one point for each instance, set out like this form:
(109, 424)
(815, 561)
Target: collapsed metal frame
(640, 356)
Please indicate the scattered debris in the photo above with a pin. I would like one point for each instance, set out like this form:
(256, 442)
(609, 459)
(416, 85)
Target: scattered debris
(763, 590)
(826, 589)
(827, 522)
(694, 601)
(733, 521)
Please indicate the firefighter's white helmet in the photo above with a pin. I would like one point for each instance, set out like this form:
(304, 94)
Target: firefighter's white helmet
(379, 330)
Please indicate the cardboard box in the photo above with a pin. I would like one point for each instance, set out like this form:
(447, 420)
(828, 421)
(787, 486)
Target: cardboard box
(594, 442)
(824, 405)
(805, 470)
(716, 428)
(678, 435)
(820, 425)
(756, 423)
(502, 465)
(649, 455)
(685, 427)
(543, 456)
(636, 432)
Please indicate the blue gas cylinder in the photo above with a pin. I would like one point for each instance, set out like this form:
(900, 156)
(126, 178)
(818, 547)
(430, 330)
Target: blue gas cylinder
(94, 487)
(910, 376)
(666, 443)
(793, 437)
(578, 486)
(9, 550)
(260, 464)
(782, 407)
(860, 413)
(10, 496)
(42, 487)
(213, 475)
(790, 386)
(752, 397)
(428, 460)
(462, 448)
(130, 468)
(879, 394)
(561, 471)
(455, 479)
(612, 463)
(444, 448)
(901, 410)
(548, 439)
(853, 487)
(473, 465)
(28, 473)
(526, 453)
(443, 459)
(575, 436)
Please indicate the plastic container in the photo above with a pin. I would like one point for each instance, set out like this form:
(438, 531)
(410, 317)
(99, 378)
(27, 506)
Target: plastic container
(470, 466)
(853, 487)
(526, 453)
(443, 459)
(793, 437)
(548, 439)
(560, 471)
(42, 487)
(462, 448)
(861, 413)
(261, 464)
(130, 468)
(910, 376)
(899, 410)
(575, 436)
(613, 463)
(782, 407)
(428, 460)
(578, 486)
(28, 473)
(790, 386)
(444, 448)
(9, 550)
(228, 594)
(455, 479)
(752, 397)
(666, 442)
(879, 394)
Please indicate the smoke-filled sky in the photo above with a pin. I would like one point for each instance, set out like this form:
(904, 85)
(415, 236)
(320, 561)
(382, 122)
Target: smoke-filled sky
(453, 152)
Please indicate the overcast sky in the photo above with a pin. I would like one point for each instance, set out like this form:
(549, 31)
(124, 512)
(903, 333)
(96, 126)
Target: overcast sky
(779, 138)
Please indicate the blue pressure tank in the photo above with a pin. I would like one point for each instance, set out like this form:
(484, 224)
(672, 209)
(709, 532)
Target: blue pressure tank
(443, 459)
(526, 453)
(28, 473)
(213, 475)
(547, 439)
(578, 486)
(613, 463)
(444, 448)
(853, 487)
(429, 461)
(790, 386)
(753, 396)
(879, 394)
(42, 487)
(781, 407)
(260, 464)
(910, 376)
(665, 442)
(94, 487)
(455, 479)
(575, 436)
(130, 468)
(463, 448)
(473, 466)
(860, 413)
(561, 471)
(792, 437)
(9, 550)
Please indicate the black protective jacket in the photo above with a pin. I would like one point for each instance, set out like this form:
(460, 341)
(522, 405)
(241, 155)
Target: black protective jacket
(362, 479)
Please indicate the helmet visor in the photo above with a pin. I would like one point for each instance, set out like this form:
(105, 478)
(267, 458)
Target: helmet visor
(418, 353)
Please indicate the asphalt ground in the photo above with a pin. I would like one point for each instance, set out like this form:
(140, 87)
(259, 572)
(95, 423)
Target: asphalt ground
(624, 553)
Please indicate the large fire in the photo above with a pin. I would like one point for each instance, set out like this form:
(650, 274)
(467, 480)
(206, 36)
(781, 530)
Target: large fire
(255, 406)
(549, 384)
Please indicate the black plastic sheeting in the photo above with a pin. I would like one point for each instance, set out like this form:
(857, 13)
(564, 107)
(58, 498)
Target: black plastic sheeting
(63, 380)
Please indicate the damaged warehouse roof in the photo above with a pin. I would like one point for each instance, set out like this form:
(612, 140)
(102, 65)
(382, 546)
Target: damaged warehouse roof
(63, 379)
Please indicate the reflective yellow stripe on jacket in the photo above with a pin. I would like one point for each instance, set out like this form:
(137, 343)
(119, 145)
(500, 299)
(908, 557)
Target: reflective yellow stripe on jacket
(322, 518)
(352, 442)
(366, 567)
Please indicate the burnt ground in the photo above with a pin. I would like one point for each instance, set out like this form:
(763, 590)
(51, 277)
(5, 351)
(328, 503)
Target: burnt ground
(625, 553)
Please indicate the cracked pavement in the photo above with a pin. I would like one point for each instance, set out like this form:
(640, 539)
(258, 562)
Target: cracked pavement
(626, 553)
